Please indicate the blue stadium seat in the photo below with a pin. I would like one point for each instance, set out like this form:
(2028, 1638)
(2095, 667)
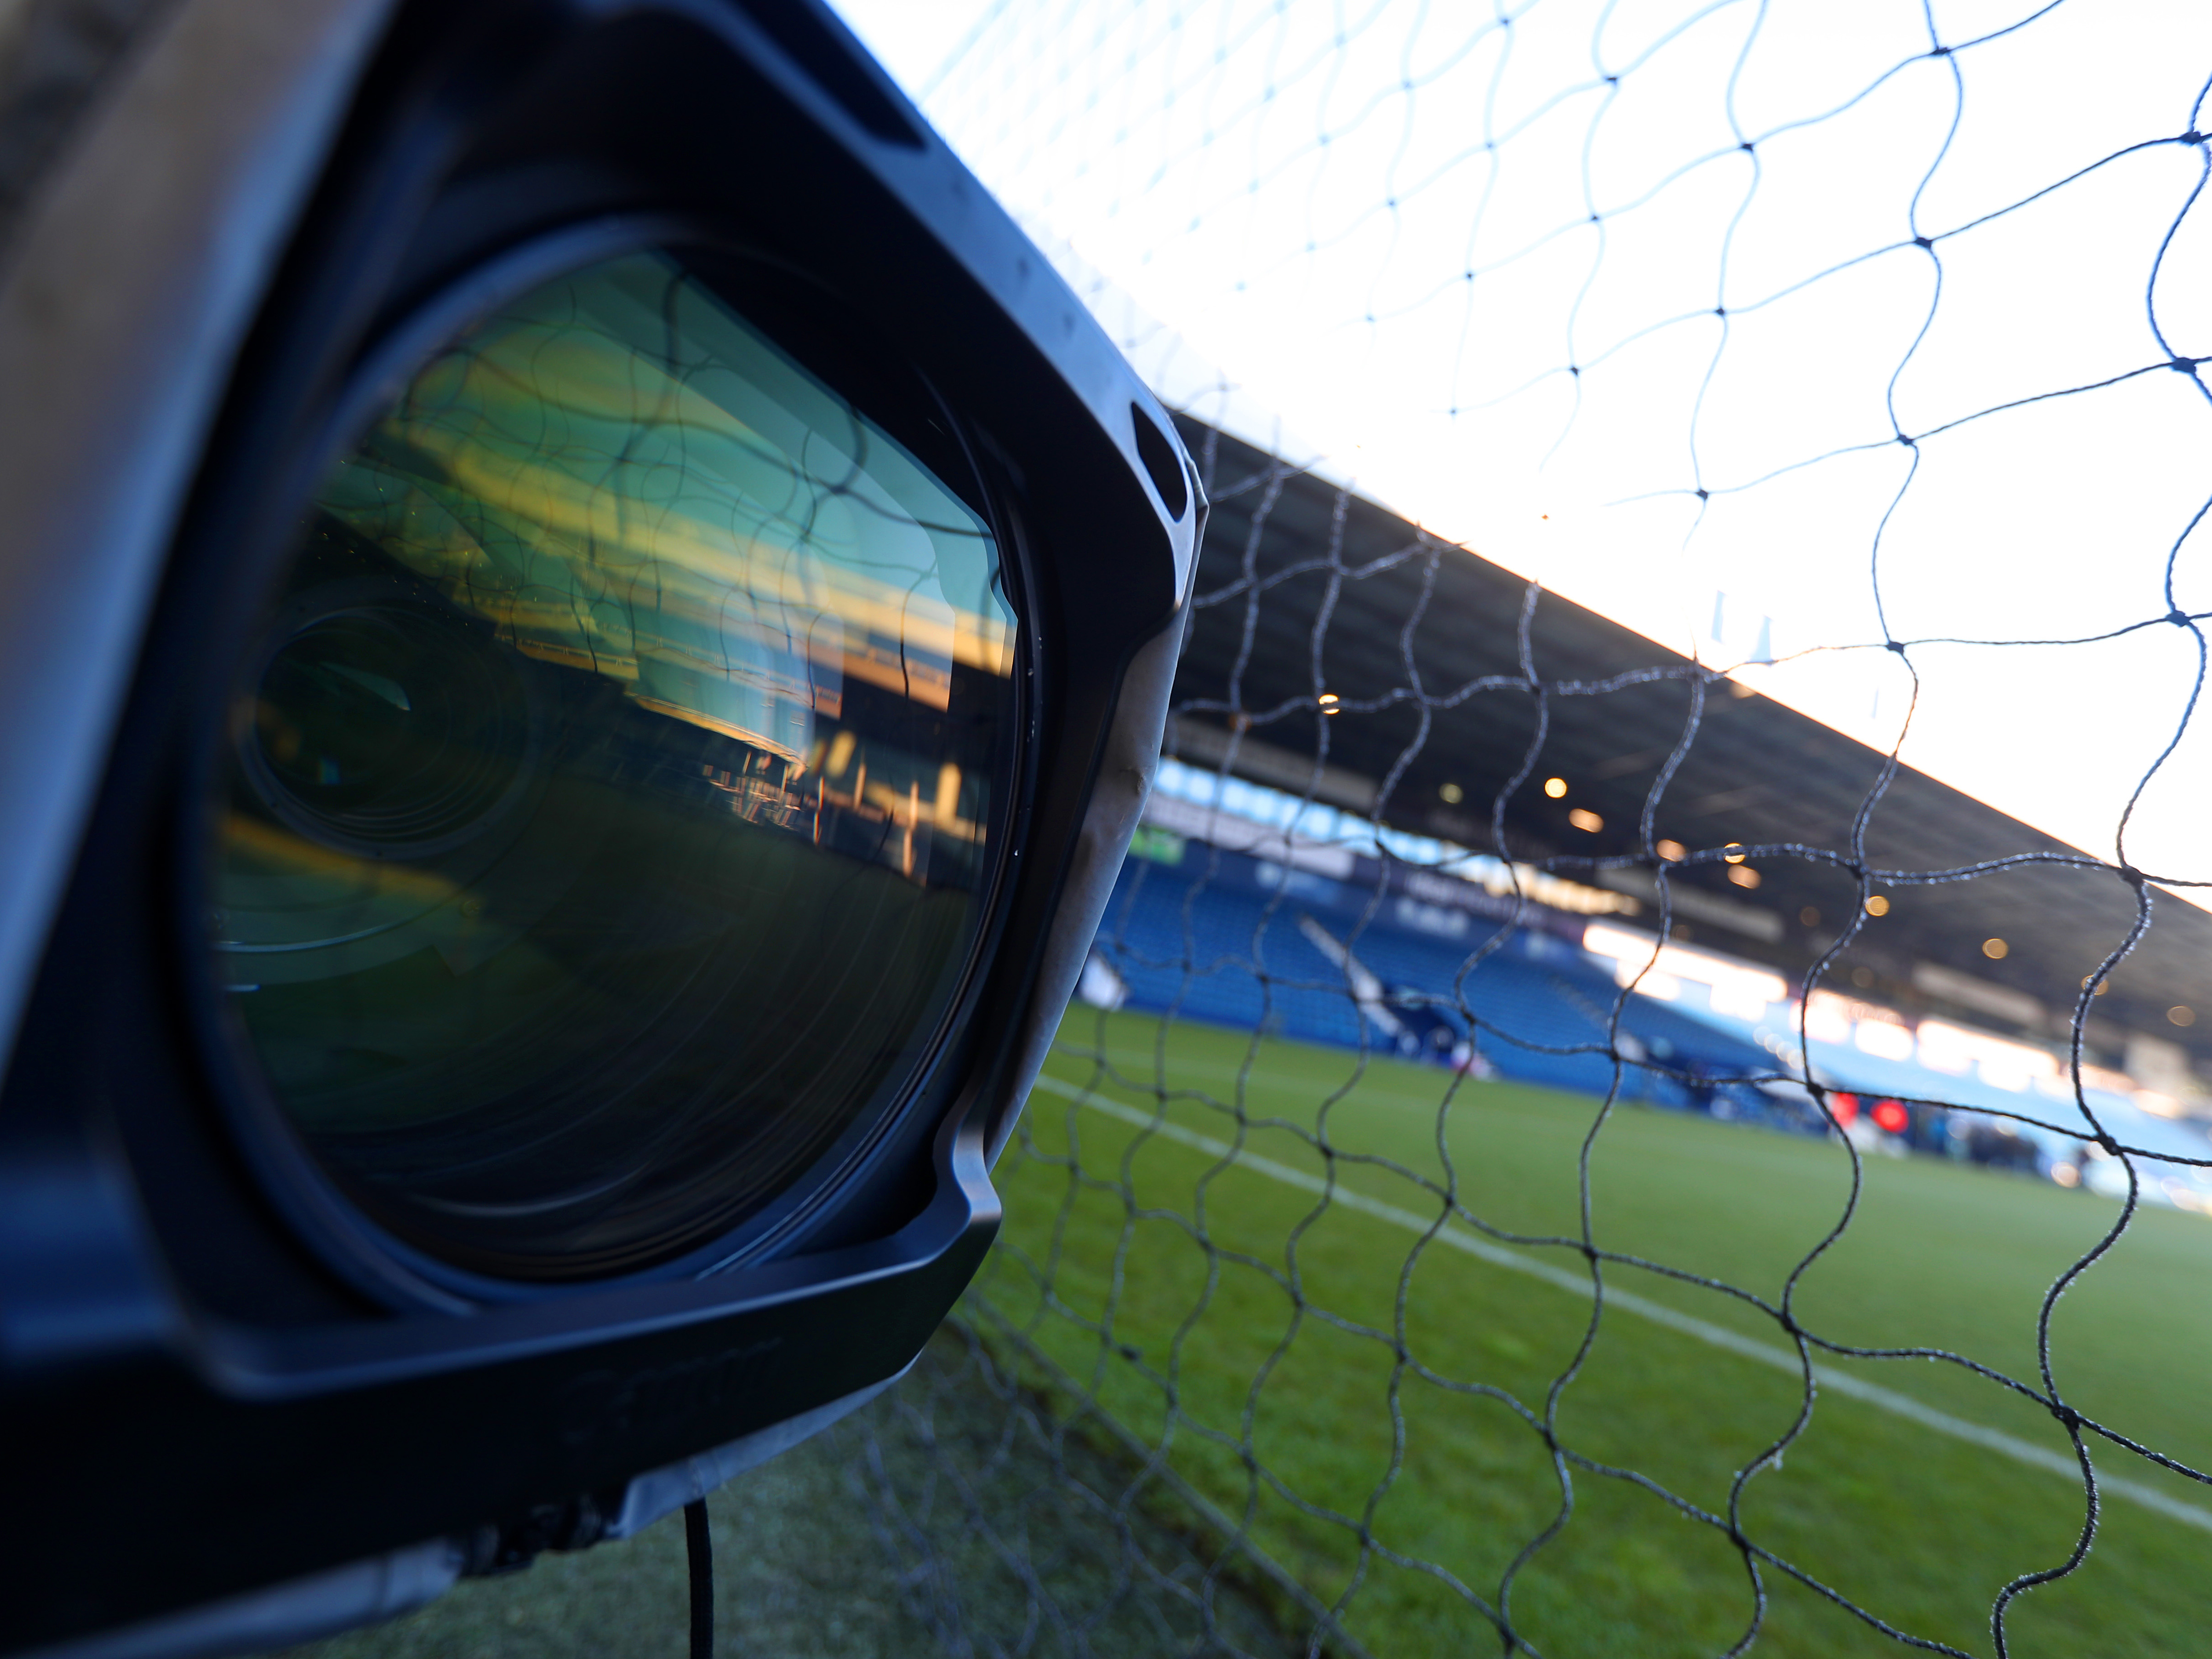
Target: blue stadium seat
(1210, 950)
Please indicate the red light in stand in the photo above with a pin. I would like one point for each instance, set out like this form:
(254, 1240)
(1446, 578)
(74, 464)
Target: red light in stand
(1843, 1108)
(1891, 1116)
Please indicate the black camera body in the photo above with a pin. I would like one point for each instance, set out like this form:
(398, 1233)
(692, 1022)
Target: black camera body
(245, 1406)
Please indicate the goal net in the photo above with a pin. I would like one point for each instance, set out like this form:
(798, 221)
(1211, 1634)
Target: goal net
(1638, 1091)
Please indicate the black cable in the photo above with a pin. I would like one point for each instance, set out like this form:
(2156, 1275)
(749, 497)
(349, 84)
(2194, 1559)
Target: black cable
(699, 1548)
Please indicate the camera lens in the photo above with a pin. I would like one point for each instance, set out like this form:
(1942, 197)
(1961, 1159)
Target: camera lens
(607, 808)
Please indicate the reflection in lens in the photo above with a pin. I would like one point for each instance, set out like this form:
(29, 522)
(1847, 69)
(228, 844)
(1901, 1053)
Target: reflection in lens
(389, 726)
(605, 818)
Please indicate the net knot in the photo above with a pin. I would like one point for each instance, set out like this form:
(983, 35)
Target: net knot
(2178, 617)
(2066, 1414)
(2185, 365)
(1922, 241)
(2192, 137)
(1896, 645)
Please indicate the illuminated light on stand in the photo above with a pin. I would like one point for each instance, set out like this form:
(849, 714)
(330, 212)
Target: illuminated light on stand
(1844, 1108)
(1883, 1039)
(1891, 1117)
(1827, 1017)
(2093, 1077)
(1555, 788)
(1737, 989)
(1955, 1049)
(1585, 820)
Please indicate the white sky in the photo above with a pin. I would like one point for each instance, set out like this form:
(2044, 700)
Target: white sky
(1296, 192)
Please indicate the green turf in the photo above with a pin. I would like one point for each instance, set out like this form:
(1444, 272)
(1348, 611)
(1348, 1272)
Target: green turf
(1920, 1528)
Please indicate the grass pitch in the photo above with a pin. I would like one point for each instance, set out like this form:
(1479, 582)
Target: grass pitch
(1329, 1380)
(1919, 1528)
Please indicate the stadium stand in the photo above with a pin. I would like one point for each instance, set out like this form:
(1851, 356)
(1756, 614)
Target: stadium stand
(1267, 882)
(1219, 935)
(1222, 936)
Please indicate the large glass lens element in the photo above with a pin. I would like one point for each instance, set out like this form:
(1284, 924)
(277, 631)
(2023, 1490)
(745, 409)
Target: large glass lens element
(606, 811)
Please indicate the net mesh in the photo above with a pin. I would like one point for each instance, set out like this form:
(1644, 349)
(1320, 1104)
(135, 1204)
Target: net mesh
(1388, 1350)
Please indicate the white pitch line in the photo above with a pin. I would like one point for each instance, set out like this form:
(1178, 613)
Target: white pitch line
(1458, 1238)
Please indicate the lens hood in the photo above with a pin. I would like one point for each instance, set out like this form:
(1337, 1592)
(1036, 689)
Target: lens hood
(281, 1322)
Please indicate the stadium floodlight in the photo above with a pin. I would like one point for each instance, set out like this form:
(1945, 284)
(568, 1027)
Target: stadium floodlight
(588, 623)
